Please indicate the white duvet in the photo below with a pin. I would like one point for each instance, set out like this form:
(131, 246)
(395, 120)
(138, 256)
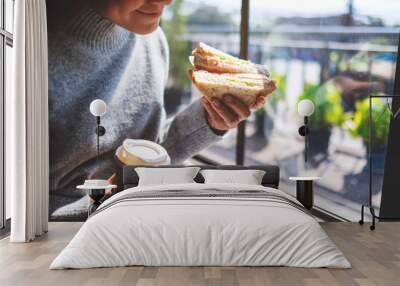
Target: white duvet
(204, 231)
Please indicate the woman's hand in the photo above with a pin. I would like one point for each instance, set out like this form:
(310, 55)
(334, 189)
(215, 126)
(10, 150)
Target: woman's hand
(229, 112)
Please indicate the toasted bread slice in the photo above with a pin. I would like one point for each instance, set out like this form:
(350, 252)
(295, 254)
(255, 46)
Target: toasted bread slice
(244, 86)
(210, 59)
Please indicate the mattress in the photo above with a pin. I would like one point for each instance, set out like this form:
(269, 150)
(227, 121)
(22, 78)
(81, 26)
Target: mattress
(201, 225)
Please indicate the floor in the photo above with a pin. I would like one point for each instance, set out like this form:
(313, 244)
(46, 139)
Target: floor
(375, 257)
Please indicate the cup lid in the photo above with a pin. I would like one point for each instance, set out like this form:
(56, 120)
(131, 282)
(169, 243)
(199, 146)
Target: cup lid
(148, 151)
(96, 184)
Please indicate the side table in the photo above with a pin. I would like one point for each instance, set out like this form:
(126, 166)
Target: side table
(96, 189)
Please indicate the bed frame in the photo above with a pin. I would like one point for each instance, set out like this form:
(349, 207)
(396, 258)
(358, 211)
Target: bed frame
(130, 178)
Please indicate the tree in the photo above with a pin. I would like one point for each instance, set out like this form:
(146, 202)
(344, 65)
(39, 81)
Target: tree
(179, 48)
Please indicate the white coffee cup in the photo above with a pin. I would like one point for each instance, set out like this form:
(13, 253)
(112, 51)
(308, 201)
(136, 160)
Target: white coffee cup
(142, 152)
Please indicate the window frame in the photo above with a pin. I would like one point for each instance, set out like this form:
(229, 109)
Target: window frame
(389, 202)
(244, 54)
(6, 39)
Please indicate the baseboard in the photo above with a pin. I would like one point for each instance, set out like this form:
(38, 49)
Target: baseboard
(327, 216)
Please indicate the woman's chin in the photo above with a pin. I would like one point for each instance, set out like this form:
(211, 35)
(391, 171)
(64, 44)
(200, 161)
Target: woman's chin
(143, 29)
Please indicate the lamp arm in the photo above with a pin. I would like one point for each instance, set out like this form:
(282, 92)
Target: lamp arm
(100, 131)
(98, 139)
(306, 141)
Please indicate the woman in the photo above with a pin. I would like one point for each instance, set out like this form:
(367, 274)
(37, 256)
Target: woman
(115, 51)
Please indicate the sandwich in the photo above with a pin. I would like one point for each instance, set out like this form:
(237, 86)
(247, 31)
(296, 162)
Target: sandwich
(216, 73)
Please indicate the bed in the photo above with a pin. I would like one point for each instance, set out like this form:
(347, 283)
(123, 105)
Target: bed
(198, 224)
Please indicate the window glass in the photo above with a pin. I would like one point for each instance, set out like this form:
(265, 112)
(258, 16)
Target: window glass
(9, 15)
(2, 197)
(8, 85)
(8, 5)
(335, 53)
(8, 90)
(1, 15)
(186, 23)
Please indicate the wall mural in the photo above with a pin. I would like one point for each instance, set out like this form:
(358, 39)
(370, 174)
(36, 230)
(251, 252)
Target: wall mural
(335, 56)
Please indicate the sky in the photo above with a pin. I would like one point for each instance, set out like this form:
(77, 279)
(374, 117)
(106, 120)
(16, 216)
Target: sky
(388, 10)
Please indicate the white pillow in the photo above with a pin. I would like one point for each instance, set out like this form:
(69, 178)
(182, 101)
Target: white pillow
(166, 176)
(247, 177)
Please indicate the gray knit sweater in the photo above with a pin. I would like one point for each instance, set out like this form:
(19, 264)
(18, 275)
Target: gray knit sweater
(89, 58)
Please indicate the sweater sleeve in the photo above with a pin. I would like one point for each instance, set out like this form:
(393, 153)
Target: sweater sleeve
(188, 133)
